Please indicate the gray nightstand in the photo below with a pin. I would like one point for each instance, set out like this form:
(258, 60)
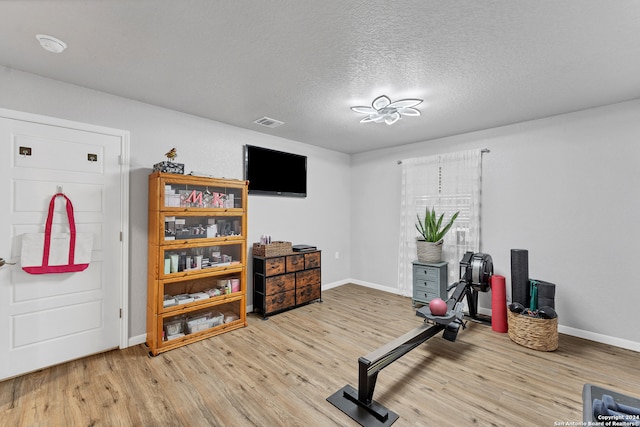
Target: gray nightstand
(429, 281)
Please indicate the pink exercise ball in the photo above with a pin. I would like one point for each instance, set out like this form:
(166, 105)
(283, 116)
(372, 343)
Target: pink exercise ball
(438, 307)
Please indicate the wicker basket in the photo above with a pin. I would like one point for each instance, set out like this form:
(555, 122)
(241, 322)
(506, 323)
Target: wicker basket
(428, 251)
(534, 333)
(272, 249)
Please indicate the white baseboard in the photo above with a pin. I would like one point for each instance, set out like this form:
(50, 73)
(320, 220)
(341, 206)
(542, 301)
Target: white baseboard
(603, 339)
(579, 333)
(591, 336)
(138, 339)
(328, 286)
(361, 283)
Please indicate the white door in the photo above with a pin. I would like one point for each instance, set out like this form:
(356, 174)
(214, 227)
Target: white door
(48, 319)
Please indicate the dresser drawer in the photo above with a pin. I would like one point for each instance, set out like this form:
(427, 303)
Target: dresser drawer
(282, 283)
(295, 262)
(308, 293)
(307, 278)
(280, 301)
(274, 266)
(312, 260)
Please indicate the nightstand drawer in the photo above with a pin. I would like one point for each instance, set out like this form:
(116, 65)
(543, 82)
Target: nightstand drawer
(424, 295)
(426, 273)
(426, 285)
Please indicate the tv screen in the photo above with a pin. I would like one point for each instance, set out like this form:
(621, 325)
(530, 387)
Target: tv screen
(275, 173)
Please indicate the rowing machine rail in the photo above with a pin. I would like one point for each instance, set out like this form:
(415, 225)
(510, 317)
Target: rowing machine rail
(359, 405)
(475, 273)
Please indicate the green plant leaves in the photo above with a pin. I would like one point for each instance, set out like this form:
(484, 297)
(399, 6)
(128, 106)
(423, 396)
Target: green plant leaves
(429, 228)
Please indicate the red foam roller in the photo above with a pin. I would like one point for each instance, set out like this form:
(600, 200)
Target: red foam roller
(498, 304)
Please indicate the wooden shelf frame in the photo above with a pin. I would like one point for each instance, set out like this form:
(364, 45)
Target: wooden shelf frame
(193, 280)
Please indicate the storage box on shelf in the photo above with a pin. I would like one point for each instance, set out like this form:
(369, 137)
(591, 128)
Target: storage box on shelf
(169, 167)
(197, 259)
(272, 249)
(285, 281)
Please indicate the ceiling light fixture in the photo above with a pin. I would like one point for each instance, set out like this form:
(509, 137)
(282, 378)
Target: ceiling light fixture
(382, 110)
(51, 43)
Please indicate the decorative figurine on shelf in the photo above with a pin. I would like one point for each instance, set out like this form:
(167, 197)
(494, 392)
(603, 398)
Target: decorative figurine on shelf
(170, 166)
(172, 154)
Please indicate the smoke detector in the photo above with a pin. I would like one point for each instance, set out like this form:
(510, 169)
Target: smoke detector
(51, 43)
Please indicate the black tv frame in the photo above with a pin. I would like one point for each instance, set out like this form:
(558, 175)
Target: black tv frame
(283, 192)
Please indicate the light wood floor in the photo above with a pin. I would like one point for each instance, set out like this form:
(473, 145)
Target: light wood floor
(279, 372)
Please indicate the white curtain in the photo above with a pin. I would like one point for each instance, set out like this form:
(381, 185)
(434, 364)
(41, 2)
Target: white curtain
(449, 183)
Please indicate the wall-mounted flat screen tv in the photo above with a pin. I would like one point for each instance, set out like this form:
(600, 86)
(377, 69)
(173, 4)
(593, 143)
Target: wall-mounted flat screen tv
(275, 173)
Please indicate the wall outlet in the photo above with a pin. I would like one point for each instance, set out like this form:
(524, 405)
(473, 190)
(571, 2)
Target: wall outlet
(337, 255)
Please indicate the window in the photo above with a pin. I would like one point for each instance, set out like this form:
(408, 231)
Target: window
(449, 183)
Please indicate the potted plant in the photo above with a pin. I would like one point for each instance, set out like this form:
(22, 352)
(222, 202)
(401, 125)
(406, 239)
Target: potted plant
(429, 244)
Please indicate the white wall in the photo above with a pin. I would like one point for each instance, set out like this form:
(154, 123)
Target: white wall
(565, 188)
(321, 219)
(562, 187)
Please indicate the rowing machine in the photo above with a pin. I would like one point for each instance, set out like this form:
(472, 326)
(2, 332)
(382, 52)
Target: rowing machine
(476, 271)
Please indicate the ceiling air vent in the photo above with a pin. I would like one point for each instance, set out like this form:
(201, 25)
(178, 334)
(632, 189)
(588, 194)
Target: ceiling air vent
(268, 122)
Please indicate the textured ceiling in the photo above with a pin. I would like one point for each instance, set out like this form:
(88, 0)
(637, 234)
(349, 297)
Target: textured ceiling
(477, 64)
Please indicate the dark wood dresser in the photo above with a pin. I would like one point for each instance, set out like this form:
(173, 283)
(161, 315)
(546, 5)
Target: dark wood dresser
(285, 282)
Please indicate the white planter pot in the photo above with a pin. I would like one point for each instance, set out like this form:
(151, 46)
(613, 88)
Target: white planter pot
(429, 251)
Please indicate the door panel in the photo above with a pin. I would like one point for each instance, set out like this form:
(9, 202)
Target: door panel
(56, 150)
(30, 288)
(90, 202)
(52, 318)
(27, 328)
